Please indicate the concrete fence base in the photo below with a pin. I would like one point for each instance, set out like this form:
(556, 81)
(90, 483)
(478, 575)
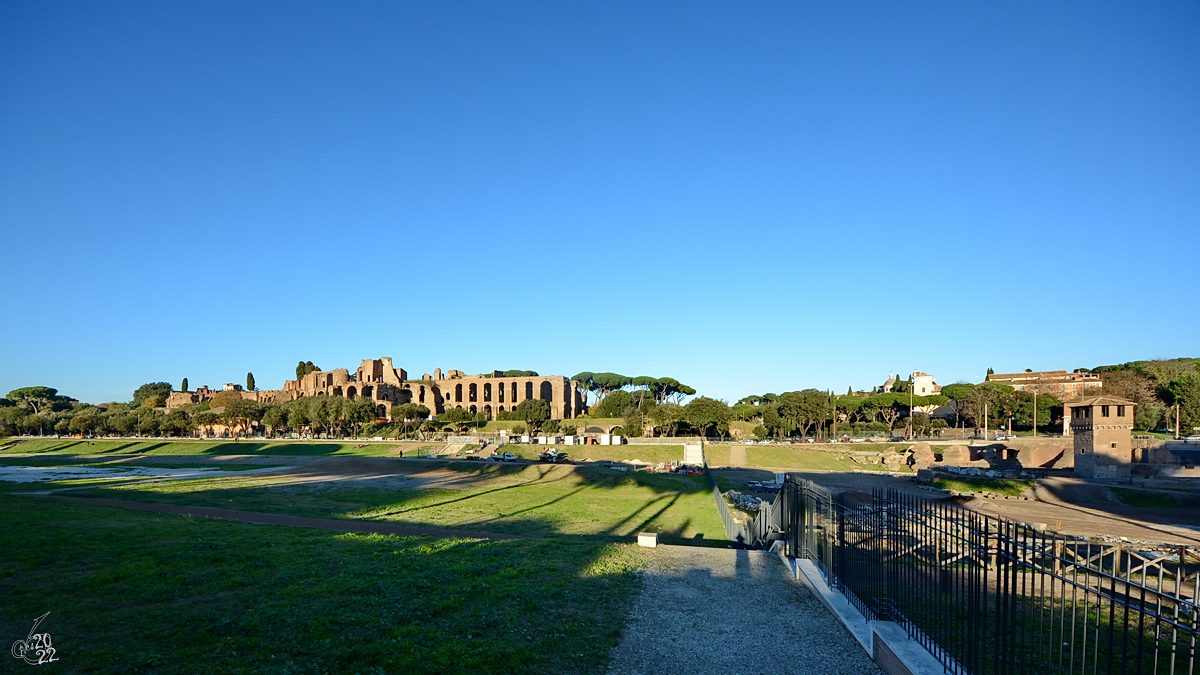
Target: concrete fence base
(884, 641)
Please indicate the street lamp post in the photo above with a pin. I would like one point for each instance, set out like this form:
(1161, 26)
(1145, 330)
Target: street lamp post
(911, 382)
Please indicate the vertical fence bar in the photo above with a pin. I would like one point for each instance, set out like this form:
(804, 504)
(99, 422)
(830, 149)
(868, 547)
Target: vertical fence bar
(990, 596)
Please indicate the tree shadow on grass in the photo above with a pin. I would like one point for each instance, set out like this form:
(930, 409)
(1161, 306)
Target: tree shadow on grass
(266, 595)
(623, 503)
(275, 448)
(150, 447)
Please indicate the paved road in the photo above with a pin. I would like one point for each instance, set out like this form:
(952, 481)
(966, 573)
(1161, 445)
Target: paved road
(714, 610)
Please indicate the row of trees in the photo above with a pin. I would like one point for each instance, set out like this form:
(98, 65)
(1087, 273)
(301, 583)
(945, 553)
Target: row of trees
(41, 411)
(647, 405)
(660, 389)
(814, 412)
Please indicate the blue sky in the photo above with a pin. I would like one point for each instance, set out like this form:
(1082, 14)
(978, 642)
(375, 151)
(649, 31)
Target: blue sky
(748, 198)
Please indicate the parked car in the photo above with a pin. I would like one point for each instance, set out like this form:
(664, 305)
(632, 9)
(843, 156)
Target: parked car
(503, 457)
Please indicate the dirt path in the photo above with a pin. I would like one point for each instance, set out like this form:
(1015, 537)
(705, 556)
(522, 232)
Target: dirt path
(1084, 521)
(713, 610)
(737, 455)
(291, 521)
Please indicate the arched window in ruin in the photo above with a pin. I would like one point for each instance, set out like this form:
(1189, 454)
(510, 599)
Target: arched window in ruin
(381, 412)
(421, 396)
(458, 393)
(547, 393)
(473, 392)
(351, 393)
(528, 390)
(337, 391)
(320, 393)
(501, 408)
(487, 410)
(487, 391)
(514, 393)
(367, 391)
(473, 410)
(500, 391)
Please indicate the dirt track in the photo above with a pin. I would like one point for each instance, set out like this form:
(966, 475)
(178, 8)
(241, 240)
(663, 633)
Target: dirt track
(1068, 505)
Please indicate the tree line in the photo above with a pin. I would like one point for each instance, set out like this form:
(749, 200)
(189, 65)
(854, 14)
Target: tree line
(646, 405)
(1157, 387)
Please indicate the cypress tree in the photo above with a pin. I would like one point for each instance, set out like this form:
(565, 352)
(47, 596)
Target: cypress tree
(249, 381)
(183, 387)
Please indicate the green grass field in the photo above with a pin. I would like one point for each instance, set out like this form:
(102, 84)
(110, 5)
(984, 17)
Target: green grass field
(798, 457)
(583, 422)
(160, 462)
(130, 591)
(539, 500)
(1145, 498)
(1003, 486)
(185, 447)
(652, 454)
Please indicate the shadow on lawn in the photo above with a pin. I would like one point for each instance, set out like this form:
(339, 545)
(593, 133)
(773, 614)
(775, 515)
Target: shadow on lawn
(546, 501)
(265, 595)
(276, 448)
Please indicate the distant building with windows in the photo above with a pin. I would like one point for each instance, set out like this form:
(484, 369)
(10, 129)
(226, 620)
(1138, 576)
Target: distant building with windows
(1058, 383)
(923, 384)
(386, 386)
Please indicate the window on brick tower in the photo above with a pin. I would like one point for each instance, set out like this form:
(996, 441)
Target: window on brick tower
(1120, 411)
(1104, 411)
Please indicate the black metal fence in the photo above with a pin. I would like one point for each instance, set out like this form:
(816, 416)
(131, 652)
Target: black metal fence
(990, 596)
(750, 530)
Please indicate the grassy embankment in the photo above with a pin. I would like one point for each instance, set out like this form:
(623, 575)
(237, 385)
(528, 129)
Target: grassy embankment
(1002, 486)
(543, 501)
(765, 456)
(199, 447)
(158, 462)
(651, 454)
(1145, 498)
(803, 457)
(130, 591)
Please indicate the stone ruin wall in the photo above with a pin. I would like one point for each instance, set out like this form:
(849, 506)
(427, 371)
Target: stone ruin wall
(386, 386)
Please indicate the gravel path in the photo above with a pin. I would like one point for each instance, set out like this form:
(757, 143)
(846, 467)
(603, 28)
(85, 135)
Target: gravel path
(711, 610)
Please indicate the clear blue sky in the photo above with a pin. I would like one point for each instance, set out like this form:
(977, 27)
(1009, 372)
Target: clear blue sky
(749, 198)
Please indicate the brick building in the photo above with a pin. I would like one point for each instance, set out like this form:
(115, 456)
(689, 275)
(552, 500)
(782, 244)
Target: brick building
(1058, 383)
(387, 386)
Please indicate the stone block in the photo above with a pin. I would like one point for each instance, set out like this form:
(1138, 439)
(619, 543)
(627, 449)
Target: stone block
(957, 455)
(648, 539)
(922, 455)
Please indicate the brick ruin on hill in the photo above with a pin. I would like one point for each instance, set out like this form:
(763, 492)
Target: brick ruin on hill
(386, 386)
